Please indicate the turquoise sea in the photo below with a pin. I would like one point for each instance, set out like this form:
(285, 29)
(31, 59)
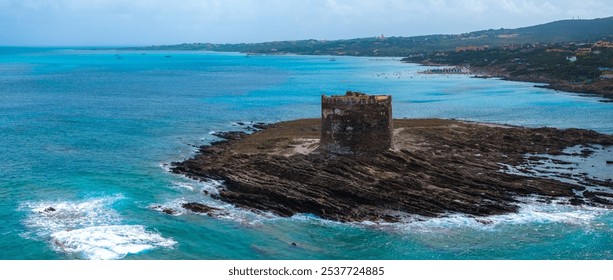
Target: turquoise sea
(90, 133)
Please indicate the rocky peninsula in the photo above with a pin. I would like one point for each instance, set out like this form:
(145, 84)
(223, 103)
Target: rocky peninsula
(585, 70)
(435, 167)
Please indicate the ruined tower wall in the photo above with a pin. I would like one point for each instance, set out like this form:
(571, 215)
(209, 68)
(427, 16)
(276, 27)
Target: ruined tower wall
(356, 123)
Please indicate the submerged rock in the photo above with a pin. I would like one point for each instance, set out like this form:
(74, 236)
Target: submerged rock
(199, 208)
(230, 135)
(436, 167)
(169, 211)
(164, 210)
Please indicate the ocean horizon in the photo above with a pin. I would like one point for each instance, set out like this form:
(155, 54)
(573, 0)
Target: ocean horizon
(88, 136)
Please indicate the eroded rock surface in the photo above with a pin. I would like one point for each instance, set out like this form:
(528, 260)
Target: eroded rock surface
(437, 167)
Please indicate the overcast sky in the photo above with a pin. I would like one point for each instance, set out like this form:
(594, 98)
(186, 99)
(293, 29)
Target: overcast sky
(149, 22)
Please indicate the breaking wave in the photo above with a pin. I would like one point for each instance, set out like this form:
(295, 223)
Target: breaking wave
(88, 229)
(204, 192)
(532, 211)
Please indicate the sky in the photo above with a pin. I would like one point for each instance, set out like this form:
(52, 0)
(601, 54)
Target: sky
(160, 22)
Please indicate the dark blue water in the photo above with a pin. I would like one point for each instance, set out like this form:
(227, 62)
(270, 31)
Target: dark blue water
(89, 133)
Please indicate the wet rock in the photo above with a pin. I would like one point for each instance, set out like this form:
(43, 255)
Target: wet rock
(262, 126)
(484, 221)
(586, 152)
(432, 171)
(169, 211)
(164, 210)
(591, 194)
(199, 207)
(576, 201)
(602, 201)
(537, 158)
(230, 135)
(561, 162)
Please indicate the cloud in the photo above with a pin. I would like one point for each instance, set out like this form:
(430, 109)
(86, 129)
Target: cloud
(138, 22)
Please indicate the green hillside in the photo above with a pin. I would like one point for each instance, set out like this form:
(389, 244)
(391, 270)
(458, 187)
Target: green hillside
(558, 31)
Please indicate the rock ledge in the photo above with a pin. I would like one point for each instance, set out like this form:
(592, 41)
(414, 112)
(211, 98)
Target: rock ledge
(437, 167)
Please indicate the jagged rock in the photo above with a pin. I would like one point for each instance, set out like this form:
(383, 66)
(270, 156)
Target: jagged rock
(230, 135)
(199, 208)
(261, 125)
(576, 201)
(437, 167)
(169, 211)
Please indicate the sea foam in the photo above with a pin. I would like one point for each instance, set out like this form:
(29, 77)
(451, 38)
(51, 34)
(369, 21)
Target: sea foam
(206, 192)
(532, 211)
(88, 229)
(108, 242)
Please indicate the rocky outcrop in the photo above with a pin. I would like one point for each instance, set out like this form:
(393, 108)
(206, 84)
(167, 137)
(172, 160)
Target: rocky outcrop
(437, 167)
(199, 208)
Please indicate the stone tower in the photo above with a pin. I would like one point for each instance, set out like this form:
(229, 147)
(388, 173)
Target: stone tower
(356, 123)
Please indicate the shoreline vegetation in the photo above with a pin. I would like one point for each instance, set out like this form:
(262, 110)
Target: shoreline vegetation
(585, 69)
(567, 55)
(437, 167)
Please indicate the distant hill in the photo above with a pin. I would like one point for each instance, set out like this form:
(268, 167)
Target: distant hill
(554, 32)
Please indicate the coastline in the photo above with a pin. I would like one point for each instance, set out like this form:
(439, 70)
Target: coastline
(438, 167)
(601, 88)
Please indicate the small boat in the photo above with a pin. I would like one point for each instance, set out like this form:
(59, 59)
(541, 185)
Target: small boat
(609, 161)
(332, 59)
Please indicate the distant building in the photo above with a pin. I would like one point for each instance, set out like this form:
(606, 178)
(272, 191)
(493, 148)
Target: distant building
(507, 36)
(606, 77)
(557, 50)
(510, 47)
(603, 44)
(447, 70)
(583, 51)
(472, 48)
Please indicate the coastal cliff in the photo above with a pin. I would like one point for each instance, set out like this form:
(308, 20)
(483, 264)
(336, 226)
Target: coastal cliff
(436, 167)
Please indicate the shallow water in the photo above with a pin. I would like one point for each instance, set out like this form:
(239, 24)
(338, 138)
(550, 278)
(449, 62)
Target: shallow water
(90, 133)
